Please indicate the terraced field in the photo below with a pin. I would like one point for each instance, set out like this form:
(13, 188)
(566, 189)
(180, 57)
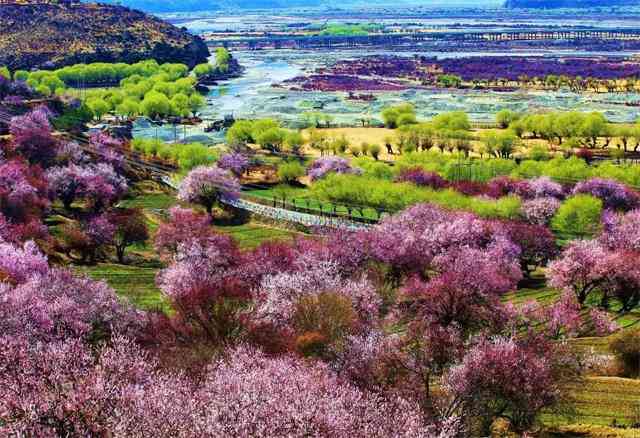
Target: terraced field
(134, 283)
(602, 401)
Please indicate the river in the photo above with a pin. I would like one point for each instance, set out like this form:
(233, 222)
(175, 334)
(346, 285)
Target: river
(254, 96)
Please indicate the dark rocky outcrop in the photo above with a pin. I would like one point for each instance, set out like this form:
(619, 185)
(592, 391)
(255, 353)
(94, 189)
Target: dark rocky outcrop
(53, 35)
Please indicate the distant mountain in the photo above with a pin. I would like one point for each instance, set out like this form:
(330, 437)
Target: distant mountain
(156, 6)
(38, 34)
(551, 4)
(163, 6)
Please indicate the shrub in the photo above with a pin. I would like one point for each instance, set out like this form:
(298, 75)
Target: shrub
(4, 72)
(389, 196)
(505, 117)
(626, 173)
(470, 188)
(289, 172)
(190, 156)
(539, 153)
(329, 314)
(501, 186)
(578, 216)
(421, 178)
(33, 138)
(373, 168)
(614, 195)
(311, 344)
(542, 187)
(340, 145)
(404, 113)
(202, 69)
(375, 150)
(234, 162)
(323, 166)
(294, 142)
(585, 154)
(540, 211)
(566, 169)
(406, 119)
(271, 139)
(626, 347)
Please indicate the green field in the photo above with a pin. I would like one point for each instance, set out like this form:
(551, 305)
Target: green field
(137, 284)
(151, 201)
(133, 283)
(252, 235)
(303, 198)
(602, 401)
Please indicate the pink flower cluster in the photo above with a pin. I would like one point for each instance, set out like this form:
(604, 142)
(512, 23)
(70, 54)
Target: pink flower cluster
(22, 191)
(614, 195)
(235, 163)
(278, 294)
(17, 265)
(207, 186)
(422, 178)
(323, 166)
(542, 187)
(540, 211)
(601, 266)
(32, 136)
(519, 376)
(99, 184)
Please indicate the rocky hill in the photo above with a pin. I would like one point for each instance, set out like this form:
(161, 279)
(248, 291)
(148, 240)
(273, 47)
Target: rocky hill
(550, 4)
(52, 35)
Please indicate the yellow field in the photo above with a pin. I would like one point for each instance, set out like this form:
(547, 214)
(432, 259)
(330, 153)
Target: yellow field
(357, 136)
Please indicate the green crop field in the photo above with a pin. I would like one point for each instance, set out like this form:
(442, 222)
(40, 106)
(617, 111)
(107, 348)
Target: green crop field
(252, 235)
(602, 401)
(136, 284)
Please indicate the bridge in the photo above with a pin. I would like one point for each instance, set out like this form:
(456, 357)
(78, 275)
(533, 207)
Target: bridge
(268, 41)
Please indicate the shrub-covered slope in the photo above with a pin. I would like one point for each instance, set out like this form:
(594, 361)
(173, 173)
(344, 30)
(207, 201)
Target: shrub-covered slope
(36, 35)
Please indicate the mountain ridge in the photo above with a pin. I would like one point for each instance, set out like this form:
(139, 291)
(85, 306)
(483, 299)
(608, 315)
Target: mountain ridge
(555, 4)
(167, 6)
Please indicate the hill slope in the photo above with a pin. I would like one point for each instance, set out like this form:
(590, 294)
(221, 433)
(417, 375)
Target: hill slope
(549, 4)
(35, 35)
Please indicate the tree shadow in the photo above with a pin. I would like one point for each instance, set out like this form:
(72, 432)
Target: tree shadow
(231, 216)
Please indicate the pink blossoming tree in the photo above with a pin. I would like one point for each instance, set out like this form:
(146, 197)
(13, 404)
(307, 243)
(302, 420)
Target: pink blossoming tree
(208, 186)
